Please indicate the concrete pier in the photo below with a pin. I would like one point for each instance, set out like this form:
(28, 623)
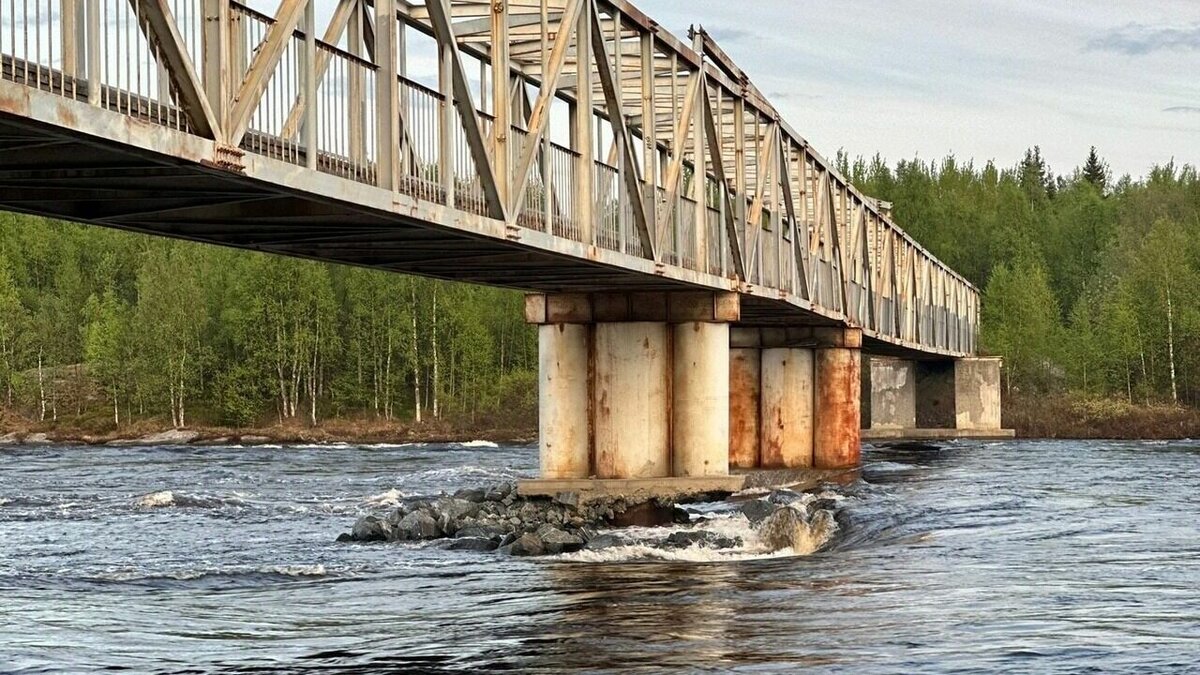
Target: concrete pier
(700, 413)
(837, 412)
(563, 400)
(786, 408)
(928, 400)
(889, 393)
(631, 390)
(745, 385)
(634, 386)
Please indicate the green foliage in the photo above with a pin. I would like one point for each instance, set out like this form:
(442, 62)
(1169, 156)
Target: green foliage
(127, 326)
(1090, 283)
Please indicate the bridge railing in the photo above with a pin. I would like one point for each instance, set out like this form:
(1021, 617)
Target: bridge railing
(633, 142)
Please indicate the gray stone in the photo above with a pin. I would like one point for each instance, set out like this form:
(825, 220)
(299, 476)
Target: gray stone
(368, 528)
(556, 540)
(472, 544)
(526, 545)
(756, 510)
(701, 538)
(784, 497)
(602, 541)
(416, 526)
(481, 532)
(475, 495)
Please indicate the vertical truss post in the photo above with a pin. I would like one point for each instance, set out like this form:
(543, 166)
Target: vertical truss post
(73, 24)
(649, 140)
(582, 138)
(310, 85)
(93, 65)
(739, 178)
(387, 84)
(501, 99)
(446, 156)
(700, 173)
(544, 142)
(216, 73)
(356, 101)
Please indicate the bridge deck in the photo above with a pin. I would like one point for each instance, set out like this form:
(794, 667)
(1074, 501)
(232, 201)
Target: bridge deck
(160, 145)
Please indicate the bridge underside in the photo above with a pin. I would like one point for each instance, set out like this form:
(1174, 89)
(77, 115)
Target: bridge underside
(47, 172)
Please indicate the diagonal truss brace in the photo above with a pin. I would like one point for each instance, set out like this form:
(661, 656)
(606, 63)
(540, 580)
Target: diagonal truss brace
(621, 135)
(263, 66)
(718, 168)
(439, 18)
(539, 119)
(160, 30)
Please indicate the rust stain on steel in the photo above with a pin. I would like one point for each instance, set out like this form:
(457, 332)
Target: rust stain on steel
(838, 424)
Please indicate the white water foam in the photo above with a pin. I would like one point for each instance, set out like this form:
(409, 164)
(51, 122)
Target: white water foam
(165, 498)
(647, 544)
(390, 498)
(480, 444)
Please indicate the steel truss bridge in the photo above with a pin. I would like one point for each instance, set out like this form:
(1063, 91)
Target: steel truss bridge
(543, 145)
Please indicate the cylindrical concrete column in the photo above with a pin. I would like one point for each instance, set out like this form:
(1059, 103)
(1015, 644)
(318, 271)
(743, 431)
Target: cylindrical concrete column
(563, 400)
(745, 369)
(836, 438)
(786, 417)
(700, 408)
(631, 400)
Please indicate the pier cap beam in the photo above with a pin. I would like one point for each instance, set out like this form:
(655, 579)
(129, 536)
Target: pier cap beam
(675, 307)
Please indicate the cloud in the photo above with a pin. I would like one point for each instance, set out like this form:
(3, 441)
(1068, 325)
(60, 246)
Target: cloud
(728, 35)
(1183, 109)
(1136, 39)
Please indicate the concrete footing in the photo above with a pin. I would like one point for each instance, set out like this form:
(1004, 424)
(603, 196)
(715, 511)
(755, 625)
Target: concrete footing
(838, 422)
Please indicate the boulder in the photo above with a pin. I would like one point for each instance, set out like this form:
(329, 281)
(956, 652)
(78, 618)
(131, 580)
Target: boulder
(603, 541)
(527, 544)
(701, 538)
(556, 540)
(757, 510)
(786, 528)
(475, 495)
(481, 532)
(369, 528)
(417, 526)
(472, 544)
(784, 497)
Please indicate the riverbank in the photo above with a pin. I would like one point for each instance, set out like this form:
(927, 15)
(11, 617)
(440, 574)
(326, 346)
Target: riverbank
(19, 431)
(1063, 416)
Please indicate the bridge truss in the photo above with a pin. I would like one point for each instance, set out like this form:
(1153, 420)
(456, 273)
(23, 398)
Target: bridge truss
(548, 145)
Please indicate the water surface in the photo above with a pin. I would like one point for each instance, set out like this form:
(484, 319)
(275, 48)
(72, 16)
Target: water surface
(1029, 556)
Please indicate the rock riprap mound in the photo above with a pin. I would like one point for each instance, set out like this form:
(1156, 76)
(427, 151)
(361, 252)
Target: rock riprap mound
(496, 518)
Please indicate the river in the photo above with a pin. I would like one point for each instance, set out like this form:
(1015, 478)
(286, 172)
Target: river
(1039, 556)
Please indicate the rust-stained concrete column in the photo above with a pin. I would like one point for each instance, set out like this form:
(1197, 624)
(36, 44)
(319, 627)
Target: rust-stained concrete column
(745, 370)
(786, 405)
(837, 427)
(700, 410)
(563, 400)
(631, 396)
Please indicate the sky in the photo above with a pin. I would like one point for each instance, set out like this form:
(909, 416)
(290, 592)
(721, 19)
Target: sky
(984, 79)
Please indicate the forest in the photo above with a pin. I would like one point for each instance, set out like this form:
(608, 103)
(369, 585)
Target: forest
(1090, 287)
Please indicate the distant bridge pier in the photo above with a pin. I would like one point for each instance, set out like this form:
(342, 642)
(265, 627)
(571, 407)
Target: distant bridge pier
(926, 400)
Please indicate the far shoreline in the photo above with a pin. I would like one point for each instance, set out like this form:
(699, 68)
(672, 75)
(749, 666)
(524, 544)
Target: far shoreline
(1034, 417)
